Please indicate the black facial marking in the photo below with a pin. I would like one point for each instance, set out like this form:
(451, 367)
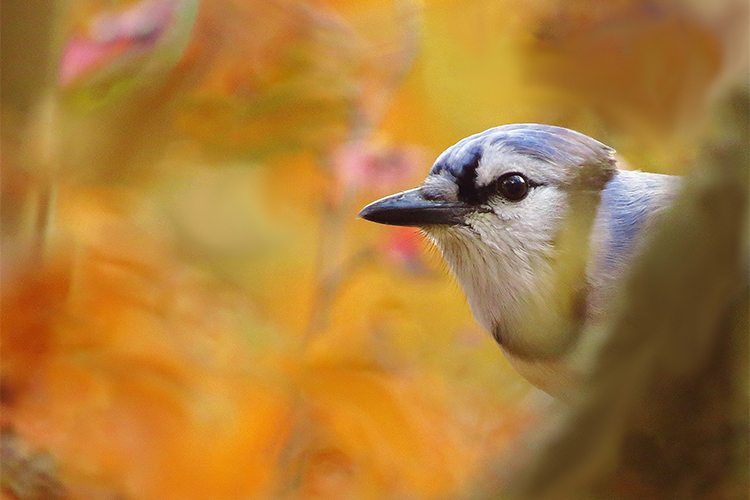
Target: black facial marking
(554, 145)
(590, 162)
(512, 187)
(467, 178)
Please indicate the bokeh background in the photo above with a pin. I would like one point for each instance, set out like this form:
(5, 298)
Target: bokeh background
(190, 308)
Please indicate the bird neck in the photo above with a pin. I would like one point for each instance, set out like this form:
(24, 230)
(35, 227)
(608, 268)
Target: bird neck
(629, 204)
(535, 296)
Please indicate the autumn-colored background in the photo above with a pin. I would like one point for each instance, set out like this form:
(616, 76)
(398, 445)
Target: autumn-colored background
(190, 307)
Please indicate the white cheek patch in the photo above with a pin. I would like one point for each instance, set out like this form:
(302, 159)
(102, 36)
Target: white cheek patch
(502, 258)
(530, 220)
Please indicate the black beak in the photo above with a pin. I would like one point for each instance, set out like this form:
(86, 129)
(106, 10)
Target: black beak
(410, 208)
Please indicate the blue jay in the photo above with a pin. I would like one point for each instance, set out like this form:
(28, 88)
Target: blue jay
(538, 224)
(622, 294)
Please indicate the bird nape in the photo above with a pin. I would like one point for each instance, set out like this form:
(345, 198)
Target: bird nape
(578, 270)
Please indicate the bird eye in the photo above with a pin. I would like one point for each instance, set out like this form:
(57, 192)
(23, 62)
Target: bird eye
(513, 187)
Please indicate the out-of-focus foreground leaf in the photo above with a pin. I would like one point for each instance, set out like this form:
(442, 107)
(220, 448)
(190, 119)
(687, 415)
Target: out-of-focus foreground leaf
(158, 348)
(667, 406)
(241, 79)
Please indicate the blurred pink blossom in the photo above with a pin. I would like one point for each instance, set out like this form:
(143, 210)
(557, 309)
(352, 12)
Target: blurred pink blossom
(378, 168)
(403, 248)
(135, 30)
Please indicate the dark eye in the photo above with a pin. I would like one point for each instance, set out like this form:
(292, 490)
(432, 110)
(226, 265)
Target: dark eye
(513, 187)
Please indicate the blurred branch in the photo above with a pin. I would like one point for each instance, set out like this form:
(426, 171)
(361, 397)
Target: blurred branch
(388, 66)
(29, 51)
(325, 295)
(28, 29)
(394, 62)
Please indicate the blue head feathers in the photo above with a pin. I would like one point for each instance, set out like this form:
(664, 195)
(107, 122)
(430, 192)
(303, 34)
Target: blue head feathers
(557, 146)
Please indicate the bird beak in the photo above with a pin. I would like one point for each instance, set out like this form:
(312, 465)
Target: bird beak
(410, 208)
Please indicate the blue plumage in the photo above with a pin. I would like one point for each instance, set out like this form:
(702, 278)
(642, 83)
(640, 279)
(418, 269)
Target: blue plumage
(538, 224)
(627, 202)
(554, 145)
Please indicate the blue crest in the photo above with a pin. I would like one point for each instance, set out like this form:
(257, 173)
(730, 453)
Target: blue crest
(554, 145)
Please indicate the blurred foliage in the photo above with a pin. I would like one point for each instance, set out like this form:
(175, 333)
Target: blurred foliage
(189, 307)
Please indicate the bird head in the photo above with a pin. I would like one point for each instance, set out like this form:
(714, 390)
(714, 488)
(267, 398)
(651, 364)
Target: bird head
(512, 211)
